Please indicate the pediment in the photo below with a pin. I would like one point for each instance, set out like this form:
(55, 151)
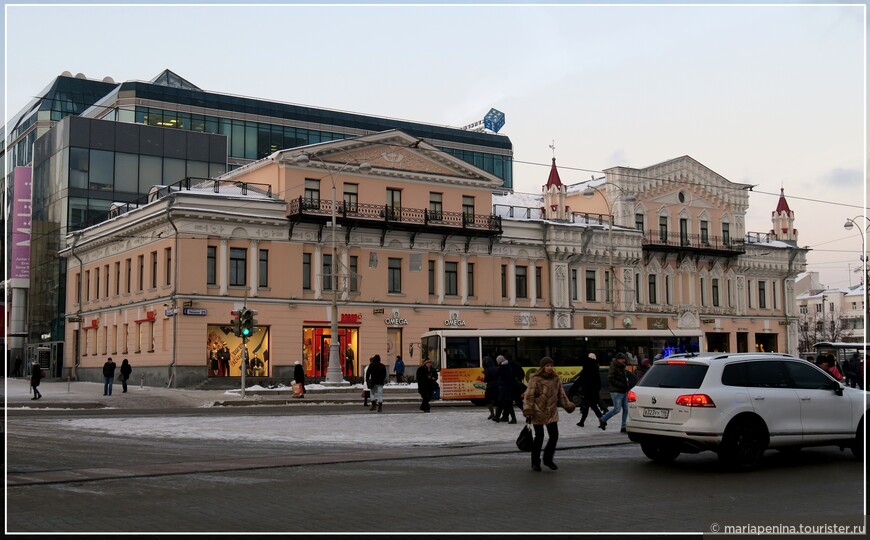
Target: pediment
(397, 154)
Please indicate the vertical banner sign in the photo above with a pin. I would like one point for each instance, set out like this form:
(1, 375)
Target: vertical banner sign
(21, 222)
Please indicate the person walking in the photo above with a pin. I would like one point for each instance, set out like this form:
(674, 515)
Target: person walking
(376, 375)
(590, 386)
(35, 377)
(490, 393)
(399, 369)
(617, 381)
(16, 372)
(506, 385)
(108, 376)
(299, 378)
(126, 370)
(519, 376)
(543, 395)
(425, 384)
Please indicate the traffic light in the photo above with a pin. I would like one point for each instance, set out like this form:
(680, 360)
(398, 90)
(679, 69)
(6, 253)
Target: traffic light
(235, 322)
(247, 323)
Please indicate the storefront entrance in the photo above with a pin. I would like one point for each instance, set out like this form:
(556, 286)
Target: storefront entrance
(315, 350)
(224, 353)
(718, 341)
(766, 343)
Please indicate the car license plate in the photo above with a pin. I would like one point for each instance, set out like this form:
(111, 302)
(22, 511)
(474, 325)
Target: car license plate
(656, 413)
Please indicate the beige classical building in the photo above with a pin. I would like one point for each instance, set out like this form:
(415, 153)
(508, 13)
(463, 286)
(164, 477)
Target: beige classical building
(424, 241)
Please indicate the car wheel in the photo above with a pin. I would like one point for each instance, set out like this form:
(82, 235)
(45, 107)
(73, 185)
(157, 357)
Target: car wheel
(743, 444)
(859, 443)
(658, 453)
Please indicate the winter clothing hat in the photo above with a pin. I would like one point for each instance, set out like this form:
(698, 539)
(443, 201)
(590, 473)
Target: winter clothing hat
(592, 356)
(546, 360)
(502, 360)
(376, 359)
(620, 355)
(296, 362)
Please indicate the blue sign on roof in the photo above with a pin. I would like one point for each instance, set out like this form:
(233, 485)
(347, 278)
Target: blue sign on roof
(494, 120)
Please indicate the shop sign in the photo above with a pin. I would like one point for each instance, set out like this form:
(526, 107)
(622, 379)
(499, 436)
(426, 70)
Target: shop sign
(74, 319)
(396, 321)
(594, 322)
(378, 311)
(194, 311)
(657, 323)
(708, 321)
(525, 320)
(454, 320)
(351, 318)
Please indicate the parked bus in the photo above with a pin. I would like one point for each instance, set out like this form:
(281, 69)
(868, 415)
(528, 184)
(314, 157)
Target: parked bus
(458, 354)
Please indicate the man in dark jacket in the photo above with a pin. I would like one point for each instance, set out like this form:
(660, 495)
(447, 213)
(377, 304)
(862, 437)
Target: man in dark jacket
(618, 385)
(108, 376)
(425, 384)
(376, 375)
(590, 385)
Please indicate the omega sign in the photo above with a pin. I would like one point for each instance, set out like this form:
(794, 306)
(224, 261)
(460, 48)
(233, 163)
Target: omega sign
(454, 320)
(396, 320)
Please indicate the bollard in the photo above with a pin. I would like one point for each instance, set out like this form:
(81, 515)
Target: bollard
(141, 381)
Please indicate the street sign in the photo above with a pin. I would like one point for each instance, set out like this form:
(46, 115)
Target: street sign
(74, 319)
(195, 311)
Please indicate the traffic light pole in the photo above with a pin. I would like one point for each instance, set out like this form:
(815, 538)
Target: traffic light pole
(244, 363)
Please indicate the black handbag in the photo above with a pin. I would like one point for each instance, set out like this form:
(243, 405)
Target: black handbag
(525, 438)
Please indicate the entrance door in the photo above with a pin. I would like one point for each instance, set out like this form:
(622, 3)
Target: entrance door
(742, 342)
(394, 347)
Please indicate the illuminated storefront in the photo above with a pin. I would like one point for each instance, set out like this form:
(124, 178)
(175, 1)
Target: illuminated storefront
(224, 352)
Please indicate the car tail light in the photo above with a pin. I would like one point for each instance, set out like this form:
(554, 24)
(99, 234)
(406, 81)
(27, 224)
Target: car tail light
(672, 362)
(695, 400)
(631, 396)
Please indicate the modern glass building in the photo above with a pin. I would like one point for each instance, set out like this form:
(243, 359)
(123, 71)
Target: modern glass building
(132, 135)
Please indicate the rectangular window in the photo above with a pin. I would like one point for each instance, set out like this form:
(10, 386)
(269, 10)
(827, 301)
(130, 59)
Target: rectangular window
(394, 277)
(703, 292)
(79, 288)
(117, 278)
(715, 292)
(211, 265)
(311, 198)
(504, 287)
(726, 234)
(141, 273)
(326, 272)
(106, 275)
(574, 284)
(451, 277)
(818, 308)
(668, 299)
(684, 232)
(128, 269)
(749, 292)
(87, 285)
(590, 285)
(773, 288)
(663, 229)
(638, 222)
(637, 288)
(705, 238)
(97, 283)
(522, 282)
(470, 279)
(435, 206)
(607, 286)
(468, 208)
(306, 271)
(238, 267)
(264, 268)
(394, 204)
(351, 197)
(728, 287)
(539, 286)
(168, 259)
(353, 264)
(153, 269)
(431, 277)
(762, 294)
(652, 289)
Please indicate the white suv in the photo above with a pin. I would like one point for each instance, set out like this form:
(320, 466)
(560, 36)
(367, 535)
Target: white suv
(740, 404)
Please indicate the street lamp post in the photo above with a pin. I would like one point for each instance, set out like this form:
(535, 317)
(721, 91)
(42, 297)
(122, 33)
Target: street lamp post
(588, 193)
(334, 374)
(848, 226)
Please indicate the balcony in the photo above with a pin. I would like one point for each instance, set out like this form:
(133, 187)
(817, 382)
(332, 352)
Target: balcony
(395, 218)
(691, 244)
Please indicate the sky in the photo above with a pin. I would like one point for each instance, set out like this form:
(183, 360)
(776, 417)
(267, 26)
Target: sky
(769, 95)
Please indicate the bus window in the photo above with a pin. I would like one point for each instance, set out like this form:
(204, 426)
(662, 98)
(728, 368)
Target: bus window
(431, 350)
(462, 352)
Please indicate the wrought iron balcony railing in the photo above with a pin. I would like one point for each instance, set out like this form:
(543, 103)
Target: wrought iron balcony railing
(675, 241)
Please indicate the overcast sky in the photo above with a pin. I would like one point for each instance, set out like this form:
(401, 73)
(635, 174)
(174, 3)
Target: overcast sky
(772, 96)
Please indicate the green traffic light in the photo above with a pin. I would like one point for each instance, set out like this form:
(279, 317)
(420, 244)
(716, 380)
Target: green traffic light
(246, 331)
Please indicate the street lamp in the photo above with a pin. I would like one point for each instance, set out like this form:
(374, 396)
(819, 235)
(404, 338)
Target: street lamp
(848, 226)
(589, 193)
(333, 370)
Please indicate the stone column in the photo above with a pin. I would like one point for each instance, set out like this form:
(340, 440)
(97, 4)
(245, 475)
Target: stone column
(224, 263)
(255, 266)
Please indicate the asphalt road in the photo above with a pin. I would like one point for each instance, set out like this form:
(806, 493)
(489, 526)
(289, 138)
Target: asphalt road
(63, 481)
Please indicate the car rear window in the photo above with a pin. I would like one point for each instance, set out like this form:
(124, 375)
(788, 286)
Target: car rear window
(674, 376)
